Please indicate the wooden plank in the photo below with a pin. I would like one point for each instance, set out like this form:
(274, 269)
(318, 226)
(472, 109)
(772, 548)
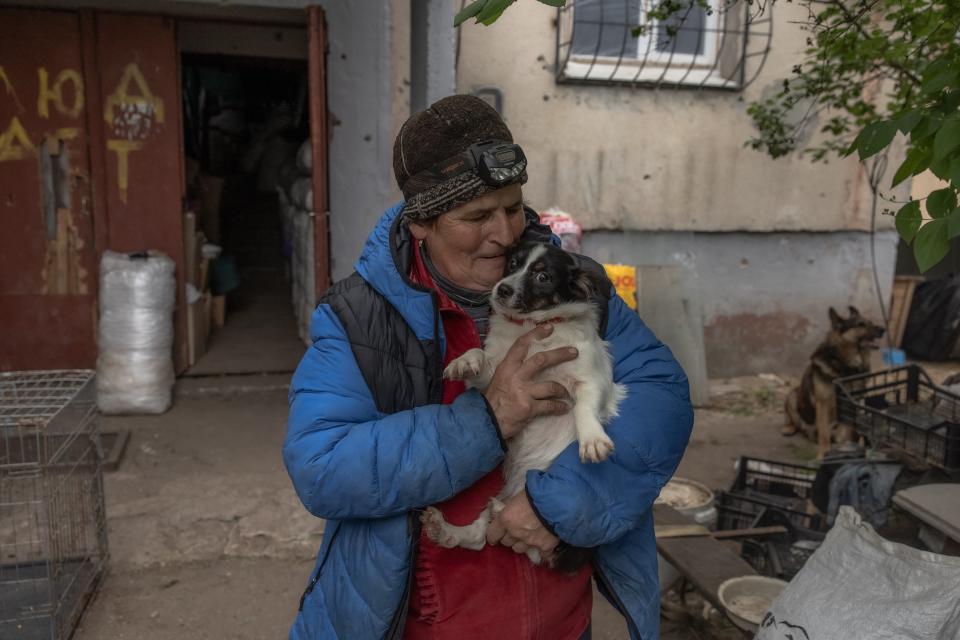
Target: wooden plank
(934, 505)
(900, 300)
(748, 533)
(705, 562)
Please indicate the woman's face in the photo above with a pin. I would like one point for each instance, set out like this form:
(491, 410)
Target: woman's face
(467, 245)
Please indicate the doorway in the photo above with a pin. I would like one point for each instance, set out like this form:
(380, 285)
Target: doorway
(249, 187)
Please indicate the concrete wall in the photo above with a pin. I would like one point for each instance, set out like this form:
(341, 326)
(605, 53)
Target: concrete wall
(360, 101)
(764, 295)
(662, 177)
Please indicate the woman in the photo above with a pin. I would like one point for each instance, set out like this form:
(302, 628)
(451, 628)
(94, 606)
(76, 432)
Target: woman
(375, 434)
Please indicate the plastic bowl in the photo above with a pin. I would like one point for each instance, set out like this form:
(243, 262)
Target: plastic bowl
(747, 598)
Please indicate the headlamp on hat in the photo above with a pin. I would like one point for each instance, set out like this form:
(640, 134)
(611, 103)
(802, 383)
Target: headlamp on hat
(495, 162)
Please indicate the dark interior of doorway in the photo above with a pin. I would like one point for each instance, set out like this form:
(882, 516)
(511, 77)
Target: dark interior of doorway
(244, 121)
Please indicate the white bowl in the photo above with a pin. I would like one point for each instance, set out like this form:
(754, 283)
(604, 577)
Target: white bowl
(747, 598)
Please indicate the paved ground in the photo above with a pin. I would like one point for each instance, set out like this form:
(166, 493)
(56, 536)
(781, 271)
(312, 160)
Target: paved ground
(208, 539)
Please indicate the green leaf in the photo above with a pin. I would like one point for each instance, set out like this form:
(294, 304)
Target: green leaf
(941, 202)
(947, 139)
(931, 245)
(492, 10)
(554, 3)
(954, 172)
(907, 121)
(917, 160)
(927, 127)
(468, 12)
(939, 81)
(874, 137)
(941, 168)
(953, 224)
(908, 220)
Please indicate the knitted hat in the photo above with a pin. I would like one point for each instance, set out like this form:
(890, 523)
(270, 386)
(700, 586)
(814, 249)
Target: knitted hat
(448, 127)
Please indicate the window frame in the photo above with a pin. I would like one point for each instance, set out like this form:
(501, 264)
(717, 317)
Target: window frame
(650, 67)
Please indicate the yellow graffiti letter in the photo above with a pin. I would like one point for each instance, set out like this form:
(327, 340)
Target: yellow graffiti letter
(14, 143)
(9, 88)
(47, 93)
(123, 149)
(121, 96)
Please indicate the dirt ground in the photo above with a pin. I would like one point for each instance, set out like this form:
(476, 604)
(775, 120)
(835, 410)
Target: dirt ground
(208, 540)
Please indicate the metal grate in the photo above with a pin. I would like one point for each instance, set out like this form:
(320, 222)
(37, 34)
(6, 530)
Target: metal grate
(53, 544)
(723, 48)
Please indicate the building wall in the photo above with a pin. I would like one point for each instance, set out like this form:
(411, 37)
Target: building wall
(662, 176)
(764, 295)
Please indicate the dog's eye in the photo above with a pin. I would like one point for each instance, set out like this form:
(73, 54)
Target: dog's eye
(542, 276)
(513, 264)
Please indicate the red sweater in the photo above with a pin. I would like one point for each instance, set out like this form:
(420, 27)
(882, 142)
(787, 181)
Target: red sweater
(494, 593)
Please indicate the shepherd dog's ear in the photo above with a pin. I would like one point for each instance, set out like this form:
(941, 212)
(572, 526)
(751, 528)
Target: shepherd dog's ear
(853, 312)
(835, 318)
(589, 283)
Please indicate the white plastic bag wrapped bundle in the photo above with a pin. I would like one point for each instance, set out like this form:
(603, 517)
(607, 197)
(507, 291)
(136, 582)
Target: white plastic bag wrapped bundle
(301, 194)
(305, 158)
(858, 585)
(135, 368)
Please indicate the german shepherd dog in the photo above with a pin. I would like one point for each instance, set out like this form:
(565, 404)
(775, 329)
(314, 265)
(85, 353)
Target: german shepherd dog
(812, 407)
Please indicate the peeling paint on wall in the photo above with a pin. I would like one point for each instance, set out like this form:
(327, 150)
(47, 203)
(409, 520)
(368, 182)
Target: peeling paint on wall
(62, 270)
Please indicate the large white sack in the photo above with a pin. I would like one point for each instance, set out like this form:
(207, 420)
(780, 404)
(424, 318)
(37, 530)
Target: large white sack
(135, 334)
(858, 585)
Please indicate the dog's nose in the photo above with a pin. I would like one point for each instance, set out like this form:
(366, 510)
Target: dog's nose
(504, 291)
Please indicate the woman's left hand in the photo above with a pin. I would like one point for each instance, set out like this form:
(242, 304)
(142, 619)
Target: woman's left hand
(519, 528)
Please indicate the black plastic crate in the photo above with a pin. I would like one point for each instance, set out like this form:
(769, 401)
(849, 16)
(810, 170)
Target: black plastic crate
(786, 483)
(902, 408)
(744, 511)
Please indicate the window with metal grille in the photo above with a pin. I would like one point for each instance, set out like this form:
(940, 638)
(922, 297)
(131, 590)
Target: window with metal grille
(616, 41)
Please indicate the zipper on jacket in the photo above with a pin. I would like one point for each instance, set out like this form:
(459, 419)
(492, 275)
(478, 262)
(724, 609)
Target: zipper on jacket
(316, 576)
(399, 620)
(617, 602)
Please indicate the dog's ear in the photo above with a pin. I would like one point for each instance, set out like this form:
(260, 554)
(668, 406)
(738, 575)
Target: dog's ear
(853, 312)
(588, 283)
(835, 318)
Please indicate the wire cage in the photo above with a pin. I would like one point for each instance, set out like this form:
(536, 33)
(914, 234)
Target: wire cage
(53, 538)
(719, 44)
(902, 408)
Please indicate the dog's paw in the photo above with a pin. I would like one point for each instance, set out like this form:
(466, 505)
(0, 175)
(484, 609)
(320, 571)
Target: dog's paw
(436, 528)
(596, 448)
(466, 367)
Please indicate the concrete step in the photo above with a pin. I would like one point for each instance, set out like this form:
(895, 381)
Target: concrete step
(188, 386)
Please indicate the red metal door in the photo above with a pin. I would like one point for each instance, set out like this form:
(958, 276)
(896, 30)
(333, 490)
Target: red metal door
(317, 68)
(47, 255)
(138, 100)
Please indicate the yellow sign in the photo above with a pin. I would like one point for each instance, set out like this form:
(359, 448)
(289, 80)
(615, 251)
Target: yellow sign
(624, 278)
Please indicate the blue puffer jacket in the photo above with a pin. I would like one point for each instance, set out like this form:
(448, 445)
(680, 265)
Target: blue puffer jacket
(365, 471)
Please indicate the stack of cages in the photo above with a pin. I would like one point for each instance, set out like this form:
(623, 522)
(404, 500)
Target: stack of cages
(53, 537)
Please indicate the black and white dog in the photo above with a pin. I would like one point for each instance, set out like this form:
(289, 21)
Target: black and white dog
(543, 284)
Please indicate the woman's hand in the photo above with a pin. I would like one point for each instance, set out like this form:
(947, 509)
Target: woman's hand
(514, 394)
(519, 528)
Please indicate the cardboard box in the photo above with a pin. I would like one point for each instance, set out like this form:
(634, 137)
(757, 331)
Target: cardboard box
(198, 328)
(218, 312)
